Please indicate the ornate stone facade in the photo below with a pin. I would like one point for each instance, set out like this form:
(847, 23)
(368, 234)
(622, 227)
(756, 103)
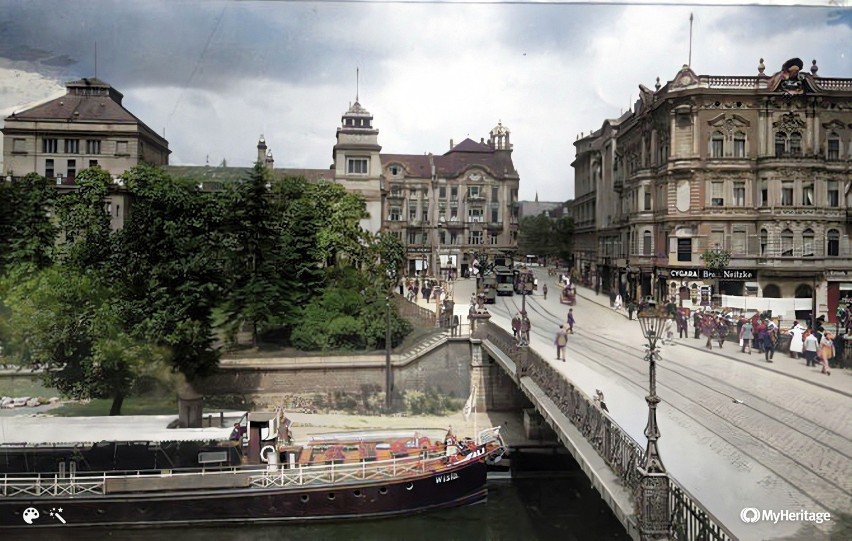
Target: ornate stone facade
(758, 166)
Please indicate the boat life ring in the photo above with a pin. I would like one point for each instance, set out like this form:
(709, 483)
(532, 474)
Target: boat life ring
(265, 451)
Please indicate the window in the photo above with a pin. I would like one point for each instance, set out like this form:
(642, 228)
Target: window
(739, 243)
(739, 194)
(492, 238)
(795, 144)
(454, 214)
(739, 145)
(495, 192)
(787, 193)
(49, 170)
(93, 146)
(412, 213)
(121, 148)
(442, 192)
(475, 237)
(764, 241)
(19, 146)
(684, 249)
(764, 193)
(394, 214)
(647, 201)
(412, 237)
(808, 243)
(394, 170)
(474, 215)
(72, 168)
(49, 146)
(808, 194)
(780, 144)
(72, 146)
(473, 191)
(717, 144)
(454, 238)
(833, 147)
(424, 237)
(833, 193)
(717, 198)
(833, 248)
(647, 247)
(442, 237)
(454, 193)
(93, 163)
(786, 243)
(356, 166)
(495, 214)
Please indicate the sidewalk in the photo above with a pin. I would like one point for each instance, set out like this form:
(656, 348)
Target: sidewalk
(840, 380)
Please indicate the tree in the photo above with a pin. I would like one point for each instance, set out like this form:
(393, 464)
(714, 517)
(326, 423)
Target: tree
(27, 232)
(168, 268)
(253, 292)
(65, 323)
(563, 238)
(535, 236)
(84, 221)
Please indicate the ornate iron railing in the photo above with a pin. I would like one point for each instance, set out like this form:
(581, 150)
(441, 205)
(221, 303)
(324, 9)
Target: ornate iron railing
(623, 454)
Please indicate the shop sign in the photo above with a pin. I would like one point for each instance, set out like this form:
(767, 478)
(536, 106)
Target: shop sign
(709, 274)
(419, 250)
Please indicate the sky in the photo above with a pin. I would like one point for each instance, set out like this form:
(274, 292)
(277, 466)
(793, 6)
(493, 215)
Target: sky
(213, 76)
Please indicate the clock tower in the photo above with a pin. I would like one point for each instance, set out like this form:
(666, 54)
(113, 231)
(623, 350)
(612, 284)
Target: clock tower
(357, 165)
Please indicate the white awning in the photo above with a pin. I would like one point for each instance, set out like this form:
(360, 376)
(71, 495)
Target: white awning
(28, 431)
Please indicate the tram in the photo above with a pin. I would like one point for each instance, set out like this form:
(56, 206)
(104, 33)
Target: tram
(505, 280)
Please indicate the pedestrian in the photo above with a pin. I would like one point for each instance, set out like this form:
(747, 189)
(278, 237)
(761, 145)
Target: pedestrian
(416, 289)
(427, 290)
(721, 331)
(768, 341)
(544, 291)
(826, 352)
(526, 326)
(631, 307)
(561, 341)
(681, 319)
(696, 322)
(796, 339)
(600, 401)
(810, 347)
(516, 325)
(746, 336)
(570, 320)
(669, 332)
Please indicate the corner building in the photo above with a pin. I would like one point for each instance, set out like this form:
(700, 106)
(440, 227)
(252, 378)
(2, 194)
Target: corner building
(756, 166)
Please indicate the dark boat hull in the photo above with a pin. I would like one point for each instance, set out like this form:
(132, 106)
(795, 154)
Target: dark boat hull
(456, 487)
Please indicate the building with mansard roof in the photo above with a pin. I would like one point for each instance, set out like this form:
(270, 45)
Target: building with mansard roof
(757, 168)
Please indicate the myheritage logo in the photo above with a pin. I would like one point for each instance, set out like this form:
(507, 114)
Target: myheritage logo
(751, 515)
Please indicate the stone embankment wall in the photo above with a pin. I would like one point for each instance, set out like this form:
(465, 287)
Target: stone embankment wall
(445, 366)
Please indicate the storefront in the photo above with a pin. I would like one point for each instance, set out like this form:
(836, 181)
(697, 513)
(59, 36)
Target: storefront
(419, 260)
(839, 291)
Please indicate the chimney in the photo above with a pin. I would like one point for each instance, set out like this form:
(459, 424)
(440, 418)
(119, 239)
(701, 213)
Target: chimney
(451, 144)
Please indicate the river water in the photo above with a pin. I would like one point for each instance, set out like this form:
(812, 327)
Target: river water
(557, 506)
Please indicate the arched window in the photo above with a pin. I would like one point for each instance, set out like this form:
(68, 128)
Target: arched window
(739, 145)
(786, 243)
(717, 144)
(803, 291)
(772, 291)
(808, 243)
(833, 147)
(833, 248)
(795, 144)
(764, 241)
(780, 144)
(647, 249)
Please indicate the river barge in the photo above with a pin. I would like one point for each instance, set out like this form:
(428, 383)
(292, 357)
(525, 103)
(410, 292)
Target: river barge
(141, 471)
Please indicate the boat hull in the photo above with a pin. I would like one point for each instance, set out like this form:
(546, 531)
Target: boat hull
(462, 485)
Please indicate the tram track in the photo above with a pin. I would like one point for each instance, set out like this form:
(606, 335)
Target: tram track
(769, 427)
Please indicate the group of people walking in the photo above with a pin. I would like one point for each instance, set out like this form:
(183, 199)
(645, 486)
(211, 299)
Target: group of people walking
(815, 345)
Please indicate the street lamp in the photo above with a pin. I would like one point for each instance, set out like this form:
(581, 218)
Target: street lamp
(655, 518)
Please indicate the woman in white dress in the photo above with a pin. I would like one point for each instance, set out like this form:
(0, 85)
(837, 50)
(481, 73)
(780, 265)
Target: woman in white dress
(796, 341)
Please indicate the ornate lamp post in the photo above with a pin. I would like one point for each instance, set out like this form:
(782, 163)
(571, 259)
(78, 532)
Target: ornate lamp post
(654, 512)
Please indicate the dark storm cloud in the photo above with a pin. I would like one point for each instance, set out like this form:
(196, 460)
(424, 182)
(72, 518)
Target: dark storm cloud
(196, 44)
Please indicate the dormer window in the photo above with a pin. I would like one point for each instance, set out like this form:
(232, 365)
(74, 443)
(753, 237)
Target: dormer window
(394, 170)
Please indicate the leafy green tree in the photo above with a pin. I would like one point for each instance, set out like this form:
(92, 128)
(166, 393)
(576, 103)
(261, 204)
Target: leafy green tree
(535, 235)
(85, 222)
(563, 238)
(65, 322)
(27, 232)
(168, 267)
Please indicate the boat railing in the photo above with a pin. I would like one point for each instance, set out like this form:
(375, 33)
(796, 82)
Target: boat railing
(56, 484)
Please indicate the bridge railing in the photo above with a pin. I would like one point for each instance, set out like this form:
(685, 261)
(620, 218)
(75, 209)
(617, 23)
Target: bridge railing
(623, 454)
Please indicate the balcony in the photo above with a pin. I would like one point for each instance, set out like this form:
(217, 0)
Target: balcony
(495, 225)
(396, 195)
(454, 223)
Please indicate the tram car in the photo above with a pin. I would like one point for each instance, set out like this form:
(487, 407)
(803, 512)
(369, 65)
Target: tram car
(569, 295)
(505, 280)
